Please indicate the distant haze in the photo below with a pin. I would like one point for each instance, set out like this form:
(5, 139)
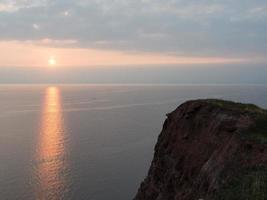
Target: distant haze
(163, 74)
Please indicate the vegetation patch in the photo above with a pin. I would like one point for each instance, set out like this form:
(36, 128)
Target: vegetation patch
(258, 131)
(245, 184)
(240, 107)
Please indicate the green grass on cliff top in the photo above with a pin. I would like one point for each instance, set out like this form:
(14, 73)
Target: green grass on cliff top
(235, 106)
(258, 131)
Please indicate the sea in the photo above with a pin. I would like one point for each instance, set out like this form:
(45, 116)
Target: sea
(90, 142)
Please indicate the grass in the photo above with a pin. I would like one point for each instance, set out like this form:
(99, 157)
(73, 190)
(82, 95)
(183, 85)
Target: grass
(234, 106)
(258, 131)
(245, 184)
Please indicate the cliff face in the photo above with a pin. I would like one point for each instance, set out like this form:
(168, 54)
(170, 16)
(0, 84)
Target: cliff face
(209, 149)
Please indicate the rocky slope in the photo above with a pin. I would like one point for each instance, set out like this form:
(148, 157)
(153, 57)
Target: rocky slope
(210, 150)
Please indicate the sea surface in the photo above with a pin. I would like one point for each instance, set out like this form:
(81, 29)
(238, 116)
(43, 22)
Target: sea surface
(89, 142)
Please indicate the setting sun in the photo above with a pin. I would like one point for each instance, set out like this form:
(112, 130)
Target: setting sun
(52, 61)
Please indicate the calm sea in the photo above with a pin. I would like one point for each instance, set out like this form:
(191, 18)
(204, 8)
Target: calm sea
(89, 142)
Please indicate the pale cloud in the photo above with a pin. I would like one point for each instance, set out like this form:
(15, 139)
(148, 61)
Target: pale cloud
(258, 12)
(192, 11)
(6, 7)
(36, 26)
(66, 13)
(15, 5)
(47, 41)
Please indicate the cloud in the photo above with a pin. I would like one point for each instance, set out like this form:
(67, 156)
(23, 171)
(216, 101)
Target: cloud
(179, 27)
(15, 5)
(4, 7)
(36, 26)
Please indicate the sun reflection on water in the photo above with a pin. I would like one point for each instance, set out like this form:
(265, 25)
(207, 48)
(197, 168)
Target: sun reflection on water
(51, 167)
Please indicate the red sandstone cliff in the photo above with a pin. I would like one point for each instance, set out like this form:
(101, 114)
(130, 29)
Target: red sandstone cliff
(209, 149)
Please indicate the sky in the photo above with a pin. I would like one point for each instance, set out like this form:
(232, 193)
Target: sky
(85, 39)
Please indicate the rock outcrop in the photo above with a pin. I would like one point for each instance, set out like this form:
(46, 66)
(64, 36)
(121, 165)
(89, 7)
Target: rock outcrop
(209, 150)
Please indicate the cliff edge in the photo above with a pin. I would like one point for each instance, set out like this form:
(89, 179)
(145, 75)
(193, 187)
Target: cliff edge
(209, 150)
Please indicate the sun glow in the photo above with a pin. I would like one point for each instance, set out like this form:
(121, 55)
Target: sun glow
(40, 53)
(52, 61)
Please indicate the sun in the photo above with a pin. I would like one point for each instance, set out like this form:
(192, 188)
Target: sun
(52, 61)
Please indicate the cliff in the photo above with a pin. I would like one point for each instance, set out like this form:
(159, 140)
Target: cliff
(210, 150)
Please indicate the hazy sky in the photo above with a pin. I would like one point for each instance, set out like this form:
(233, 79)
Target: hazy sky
(88, 33)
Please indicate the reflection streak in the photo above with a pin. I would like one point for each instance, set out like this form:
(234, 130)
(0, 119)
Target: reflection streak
(51, 169)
